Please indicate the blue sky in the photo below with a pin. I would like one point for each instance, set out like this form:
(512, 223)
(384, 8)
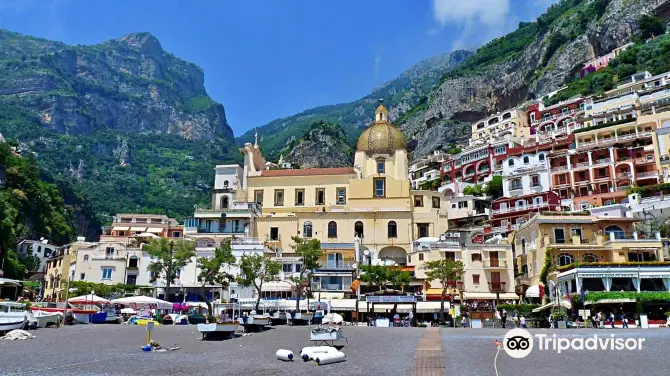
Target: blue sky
(274, 58)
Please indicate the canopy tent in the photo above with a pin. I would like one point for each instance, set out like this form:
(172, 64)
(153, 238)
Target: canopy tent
(128, 311)
(278, 286)
(156, 230)
(90, 299)
(143, 302)
(533, 291)
(563, 303)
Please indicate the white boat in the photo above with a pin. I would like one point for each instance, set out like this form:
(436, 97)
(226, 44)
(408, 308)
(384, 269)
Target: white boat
(307, 316)
(281, 316)
(225, 328)
(255, 320)
(11, 323)
(44, 318)
(13, 311)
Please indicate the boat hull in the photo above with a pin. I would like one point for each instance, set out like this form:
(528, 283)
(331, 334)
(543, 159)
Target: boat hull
(45, 318)
(218, 328)
(11, 323)
(81, 315)
(259, 321)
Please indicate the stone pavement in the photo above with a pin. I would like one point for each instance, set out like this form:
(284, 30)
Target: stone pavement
(428, 358)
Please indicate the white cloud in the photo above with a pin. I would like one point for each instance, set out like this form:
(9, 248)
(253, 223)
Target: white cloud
(476, 21)
(375, 67)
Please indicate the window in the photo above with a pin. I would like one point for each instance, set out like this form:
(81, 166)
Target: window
(476, 257)
(526, 160)
(85, 258)
(418, 201)
(258, 196)
(379, 187)
(82, 276)
(132, 262)
(532, 117)
(540, 157)
(176, 234)
(223, 204)
(307, 230)
(332, 229)
(381, 166)
(225, 183)
(320, 196)
(420, 256)
(299, 197)
(274, 233)
(538, 200)
(392, 230)
(131, 280)
(287, 268)
(565, 259)
(500, 150)
(423, 229)
(436, 202)
(510, 162)
(590, 257)
(523, 246)
(358, 229)
(109, 253)
(475, 279)
(559, 235)
(535, 181)
(107, 273)
(463, 205)
(341, 196)
(279, 197)
(616, 230)
(565, 111)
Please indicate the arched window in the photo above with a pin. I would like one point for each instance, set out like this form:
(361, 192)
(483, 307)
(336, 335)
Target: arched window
(565, 259)
(541, 157)
(224, 202)
(85, 258)
(225, 183)
(358, 229)
(590, 257)
(307, 230)
(526, 160)
(510, 162)
(392, 229)
(618, 232)
(332, 229)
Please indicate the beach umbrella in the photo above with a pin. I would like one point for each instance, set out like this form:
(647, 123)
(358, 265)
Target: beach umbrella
(88, 299)
(143, 302)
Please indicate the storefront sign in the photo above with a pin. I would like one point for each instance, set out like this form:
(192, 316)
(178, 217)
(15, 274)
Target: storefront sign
(391, 299)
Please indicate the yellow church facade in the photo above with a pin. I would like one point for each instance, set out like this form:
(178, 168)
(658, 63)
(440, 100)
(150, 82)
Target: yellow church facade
(365, 213)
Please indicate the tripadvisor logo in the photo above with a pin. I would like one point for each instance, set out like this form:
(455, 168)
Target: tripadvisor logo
(518, 343)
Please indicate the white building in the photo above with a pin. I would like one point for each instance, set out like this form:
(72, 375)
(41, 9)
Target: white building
(38, 248)
(505, 125)
(525, 174)
(427, 169)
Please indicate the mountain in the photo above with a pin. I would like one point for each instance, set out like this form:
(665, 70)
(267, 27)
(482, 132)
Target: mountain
(127, 124)
(537, 58)
(323, 145)
(399, 95)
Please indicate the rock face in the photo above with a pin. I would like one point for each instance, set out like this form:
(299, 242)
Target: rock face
(507, 84)
(128, 84)
(399, 95)
(323, 145)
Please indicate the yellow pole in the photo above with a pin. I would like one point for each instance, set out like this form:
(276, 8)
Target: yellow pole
(148, 337)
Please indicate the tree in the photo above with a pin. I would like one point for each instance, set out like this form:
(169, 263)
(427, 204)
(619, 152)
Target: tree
(256, 270)
(475, 190)
(211, 269)
(381, 275)
(167, 258)
(444, 271)
(310, 253)
(650, 26)
(494, 188)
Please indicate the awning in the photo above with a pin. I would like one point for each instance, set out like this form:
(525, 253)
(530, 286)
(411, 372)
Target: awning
(430, 307)
(434, 291)
(564, 303)
(155, 230)
(344, 304)
(382, 308)
(277, 286)
(610, 301)
(120, 228)
(490, 295)
(140, 229)
(533, 291)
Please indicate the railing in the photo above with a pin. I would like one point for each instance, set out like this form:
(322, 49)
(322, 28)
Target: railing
(559, 168)
(515, 187)
(644, 175)
(113, 258)
(219, 231)
(519, 208)
(643, 160)
(497, 286)
(247, 241)
(581, 164)
(586, 144)
(561, 183)
(342, 265)
(603, 161)
(500, 229)
(332, 287)
(495, 263)
(602, 177)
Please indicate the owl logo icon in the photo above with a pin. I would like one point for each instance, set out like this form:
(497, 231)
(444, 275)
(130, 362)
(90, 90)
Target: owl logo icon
(518, 343)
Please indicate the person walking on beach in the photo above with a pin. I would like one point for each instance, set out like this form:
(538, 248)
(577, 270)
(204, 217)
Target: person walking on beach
(612, 319)
(522, 322)
(503, 318)
(624, 321)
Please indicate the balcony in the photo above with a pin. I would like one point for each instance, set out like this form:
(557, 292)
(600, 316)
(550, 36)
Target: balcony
(644, 160)
(336, 265)
(109, 258)
(600, 178)
(559, 168)
(647, 175)
(497, 286)
(515, 187)
(561, 184)
(224, 231)
(520, 208)
(495, 264)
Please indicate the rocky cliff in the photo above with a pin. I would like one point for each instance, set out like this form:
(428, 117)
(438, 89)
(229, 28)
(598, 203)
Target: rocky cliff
(553, 48)
(127, 125)
(323, 145)
(400, 95)
(128, 84)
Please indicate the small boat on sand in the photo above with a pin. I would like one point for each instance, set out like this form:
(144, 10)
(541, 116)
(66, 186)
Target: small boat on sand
(220, 329)
(11, 323)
